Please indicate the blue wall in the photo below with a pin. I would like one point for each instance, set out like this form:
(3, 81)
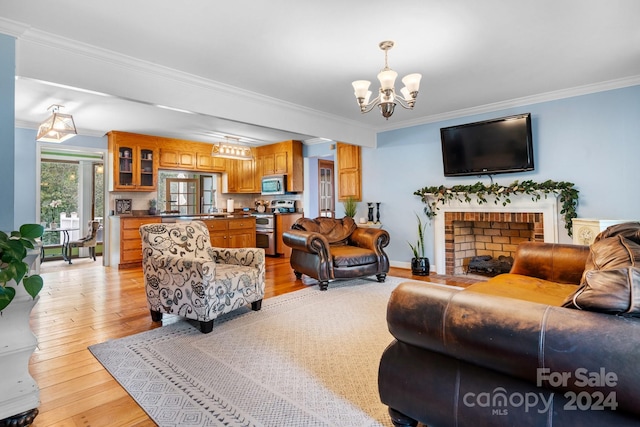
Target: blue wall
(7, 120)
(590, 140)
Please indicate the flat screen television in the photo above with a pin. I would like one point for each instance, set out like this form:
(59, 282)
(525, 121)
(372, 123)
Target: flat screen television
(489, 147)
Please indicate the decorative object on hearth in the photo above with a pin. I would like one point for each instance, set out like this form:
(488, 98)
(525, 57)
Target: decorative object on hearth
(378, 212)
(58, 127)
(231, 150)
(419, 262)
(387, 97)
(370, 206)
(350, 207)
(566, 191)
(19, 393)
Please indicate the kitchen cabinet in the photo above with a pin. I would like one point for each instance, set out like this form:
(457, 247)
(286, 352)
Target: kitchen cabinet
(349, 171)
(284, 223)
(205, 162)
(232, 232)
(134, 160)
(130, 241)
(174, 158)
(282, 158)
(240, 177)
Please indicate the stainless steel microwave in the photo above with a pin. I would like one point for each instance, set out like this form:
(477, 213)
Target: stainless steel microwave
(273, 185)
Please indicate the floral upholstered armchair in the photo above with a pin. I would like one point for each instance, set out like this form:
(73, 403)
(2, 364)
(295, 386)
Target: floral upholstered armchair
(184, 275)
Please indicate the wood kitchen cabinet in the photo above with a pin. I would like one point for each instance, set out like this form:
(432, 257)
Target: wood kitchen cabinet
(241, 177)
(205, 162)
(134, 160)
(282, 158)
(130, 241)
(175, 158)
(232, 232)
(284, 223)
(349, 171)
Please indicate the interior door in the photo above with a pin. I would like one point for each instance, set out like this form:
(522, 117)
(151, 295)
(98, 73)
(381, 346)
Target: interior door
(326, 188)
(183, 195)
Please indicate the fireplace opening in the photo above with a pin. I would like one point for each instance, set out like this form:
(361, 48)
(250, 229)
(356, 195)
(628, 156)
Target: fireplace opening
(486, 265)
(485, 243)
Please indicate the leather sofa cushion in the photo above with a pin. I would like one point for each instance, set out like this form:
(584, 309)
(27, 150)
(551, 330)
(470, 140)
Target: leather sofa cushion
(336, 231)
(615, 291)
(611, 280)
(524, 288)
(352, 256)
(630, 230)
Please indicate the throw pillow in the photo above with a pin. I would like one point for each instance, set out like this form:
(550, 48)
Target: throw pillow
(611, 280)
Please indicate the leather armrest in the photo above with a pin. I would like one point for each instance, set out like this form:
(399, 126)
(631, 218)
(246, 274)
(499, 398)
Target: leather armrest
(555, 262)
(306, 241)
(370, 238)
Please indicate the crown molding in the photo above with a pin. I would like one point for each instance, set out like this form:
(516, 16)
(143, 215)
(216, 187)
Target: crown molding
(82, 49)
(12, 28)
(517, 102)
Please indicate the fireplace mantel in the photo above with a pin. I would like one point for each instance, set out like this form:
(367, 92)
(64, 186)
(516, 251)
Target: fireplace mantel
(546, 205)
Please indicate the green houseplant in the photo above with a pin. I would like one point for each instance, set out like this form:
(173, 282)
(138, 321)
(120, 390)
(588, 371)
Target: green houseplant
(350, 206)
(13, 251)
(419, 262)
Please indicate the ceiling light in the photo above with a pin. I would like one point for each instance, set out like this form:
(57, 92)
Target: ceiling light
(387, 97)
(228, 150)
(57, 128)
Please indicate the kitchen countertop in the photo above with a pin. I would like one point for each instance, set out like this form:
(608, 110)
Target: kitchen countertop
(217, 215)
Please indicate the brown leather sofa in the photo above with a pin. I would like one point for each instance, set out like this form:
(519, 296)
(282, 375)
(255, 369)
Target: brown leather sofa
(327, 249)
(511, 352)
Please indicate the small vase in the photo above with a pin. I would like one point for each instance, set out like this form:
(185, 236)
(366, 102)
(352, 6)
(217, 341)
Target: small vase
(420, 266)
(53, 225)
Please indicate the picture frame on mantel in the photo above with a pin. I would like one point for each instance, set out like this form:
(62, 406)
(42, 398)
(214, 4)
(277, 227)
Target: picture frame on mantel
(123, 207)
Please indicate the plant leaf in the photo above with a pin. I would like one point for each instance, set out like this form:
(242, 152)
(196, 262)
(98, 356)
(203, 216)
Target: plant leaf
(33, 285)
(6, 296)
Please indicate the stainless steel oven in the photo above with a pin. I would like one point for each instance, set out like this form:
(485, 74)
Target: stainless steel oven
(266, 232)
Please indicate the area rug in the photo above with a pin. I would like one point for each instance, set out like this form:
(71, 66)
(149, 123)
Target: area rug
(308, 358)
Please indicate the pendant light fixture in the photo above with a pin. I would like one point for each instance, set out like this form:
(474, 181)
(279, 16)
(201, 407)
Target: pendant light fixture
(57, 128)
(229, 150)
(387, 98)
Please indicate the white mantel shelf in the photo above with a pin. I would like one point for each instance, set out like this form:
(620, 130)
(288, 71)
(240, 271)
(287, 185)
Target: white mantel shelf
(548, 206)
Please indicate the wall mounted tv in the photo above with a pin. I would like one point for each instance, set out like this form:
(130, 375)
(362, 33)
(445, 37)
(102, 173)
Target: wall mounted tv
(489, 147)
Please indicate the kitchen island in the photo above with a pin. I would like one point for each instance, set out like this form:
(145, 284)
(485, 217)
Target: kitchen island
(227, 230)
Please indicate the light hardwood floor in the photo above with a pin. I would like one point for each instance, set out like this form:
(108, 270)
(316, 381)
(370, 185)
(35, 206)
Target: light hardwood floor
(84, 304)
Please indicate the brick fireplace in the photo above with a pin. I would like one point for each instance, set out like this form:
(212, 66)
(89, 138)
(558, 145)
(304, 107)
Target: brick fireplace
(529, 219)
(470, 234)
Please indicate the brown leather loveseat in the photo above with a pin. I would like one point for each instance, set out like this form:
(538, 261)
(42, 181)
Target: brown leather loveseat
(330, 248)
(554, 342)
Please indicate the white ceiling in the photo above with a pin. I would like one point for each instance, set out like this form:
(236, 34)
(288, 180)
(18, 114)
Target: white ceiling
(302, 57)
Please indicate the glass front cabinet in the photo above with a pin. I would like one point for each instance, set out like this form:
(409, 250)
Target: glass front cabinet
(135, 166)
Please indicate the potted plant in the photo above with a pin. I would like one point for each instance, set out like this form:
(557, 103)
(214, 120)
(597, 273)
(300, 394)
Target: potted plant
(19, 394)
(152, 207)
(350, 207)
(419, 262)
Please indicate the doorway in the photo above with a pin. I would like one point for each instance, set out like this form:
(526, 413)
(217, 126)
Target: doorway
(326, 188)
(71, 194)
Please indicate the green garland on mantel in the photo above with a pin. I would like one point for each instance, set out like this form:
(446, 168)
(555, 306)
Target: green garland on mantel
(462, 193)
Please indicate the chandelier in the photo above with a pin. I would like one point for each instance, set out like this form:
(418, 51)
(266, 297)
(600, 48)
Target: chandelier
(228, 150)
(57, 128)
(387, 97)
